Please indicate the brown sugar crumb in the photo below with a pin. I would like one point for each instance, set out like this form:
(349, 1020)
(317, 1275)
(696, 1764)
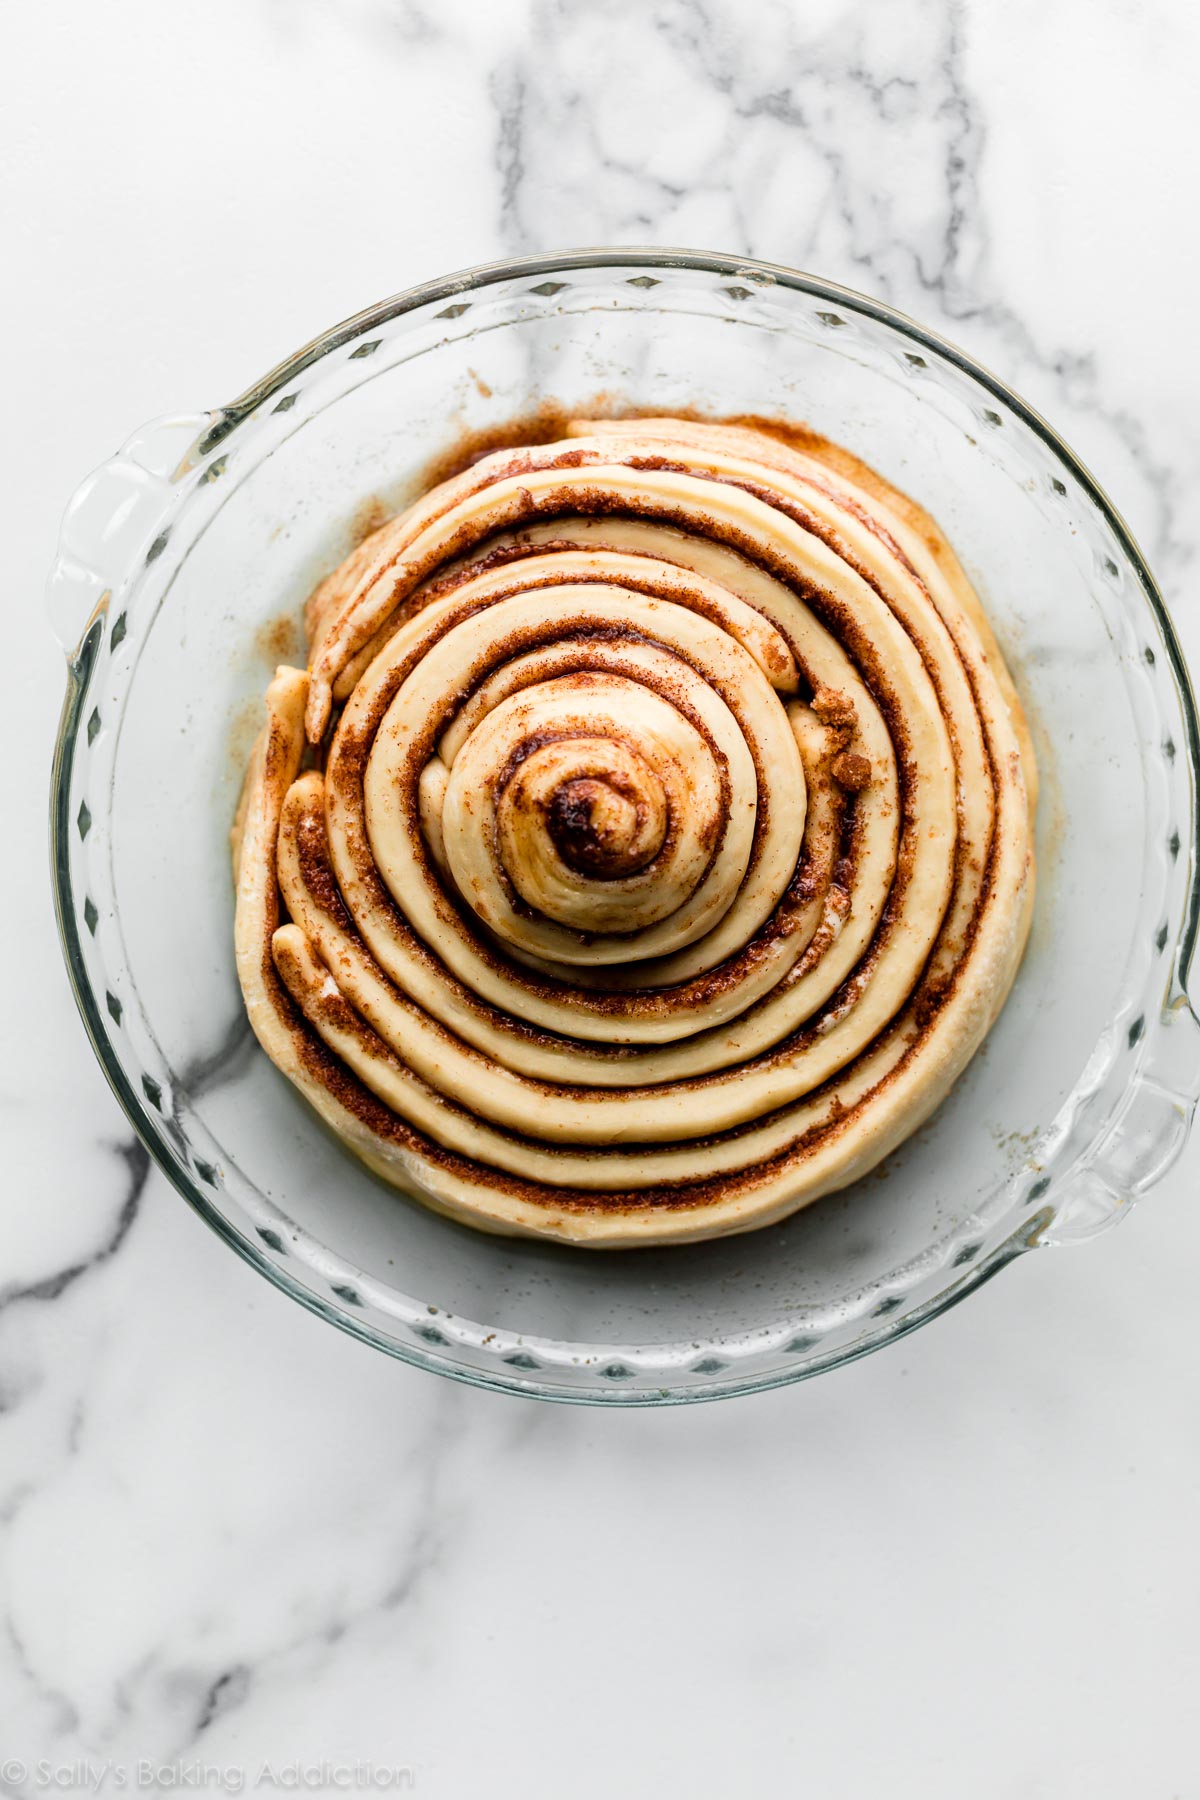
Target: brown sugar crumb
(833, 707)
(851, 770)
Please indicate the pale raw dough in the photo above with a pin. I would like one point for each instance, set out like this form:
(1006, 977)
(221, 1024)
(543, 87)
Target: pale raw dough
(668, 851)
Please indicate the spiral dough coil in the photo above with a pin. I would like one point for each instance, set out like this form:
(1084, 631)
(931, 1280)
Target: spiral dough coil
(647, 846)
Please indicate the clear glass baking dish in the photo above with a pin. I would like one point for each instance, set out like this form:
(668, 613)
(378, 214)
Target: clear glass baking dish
(183, 565)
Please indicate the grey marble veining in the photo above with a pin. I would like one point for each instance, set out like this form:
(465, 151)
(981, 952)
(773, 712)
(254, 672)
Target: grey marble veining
(848, 139)
(228, 1534)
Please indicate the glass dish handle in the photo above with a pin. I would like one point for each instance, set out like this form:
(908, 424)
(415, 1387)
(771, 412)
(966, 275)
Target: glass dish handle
(114, 518)
(1149, 1129)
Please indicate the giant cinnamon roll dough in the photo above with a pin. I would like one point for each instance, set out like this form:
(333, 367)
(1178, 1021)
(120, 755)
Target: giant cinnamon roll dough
(647, 846)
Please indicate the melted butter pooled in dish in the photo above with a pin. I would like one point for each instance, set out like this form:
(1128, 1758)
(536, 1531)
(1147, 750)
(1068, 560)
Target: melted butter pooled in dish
(647, 846)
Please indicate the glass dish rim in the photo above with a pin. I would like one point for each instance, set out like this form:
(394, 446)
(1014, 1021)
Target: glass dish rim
(223, 421)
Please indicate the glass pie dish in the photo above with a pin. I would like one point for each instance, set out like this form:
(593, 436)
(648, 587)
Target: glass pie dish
(183, 567)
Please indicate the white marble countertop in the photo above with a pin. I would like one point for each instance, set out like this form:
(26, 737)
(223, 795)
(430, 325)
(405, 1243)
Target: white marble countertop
(231, 1537)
